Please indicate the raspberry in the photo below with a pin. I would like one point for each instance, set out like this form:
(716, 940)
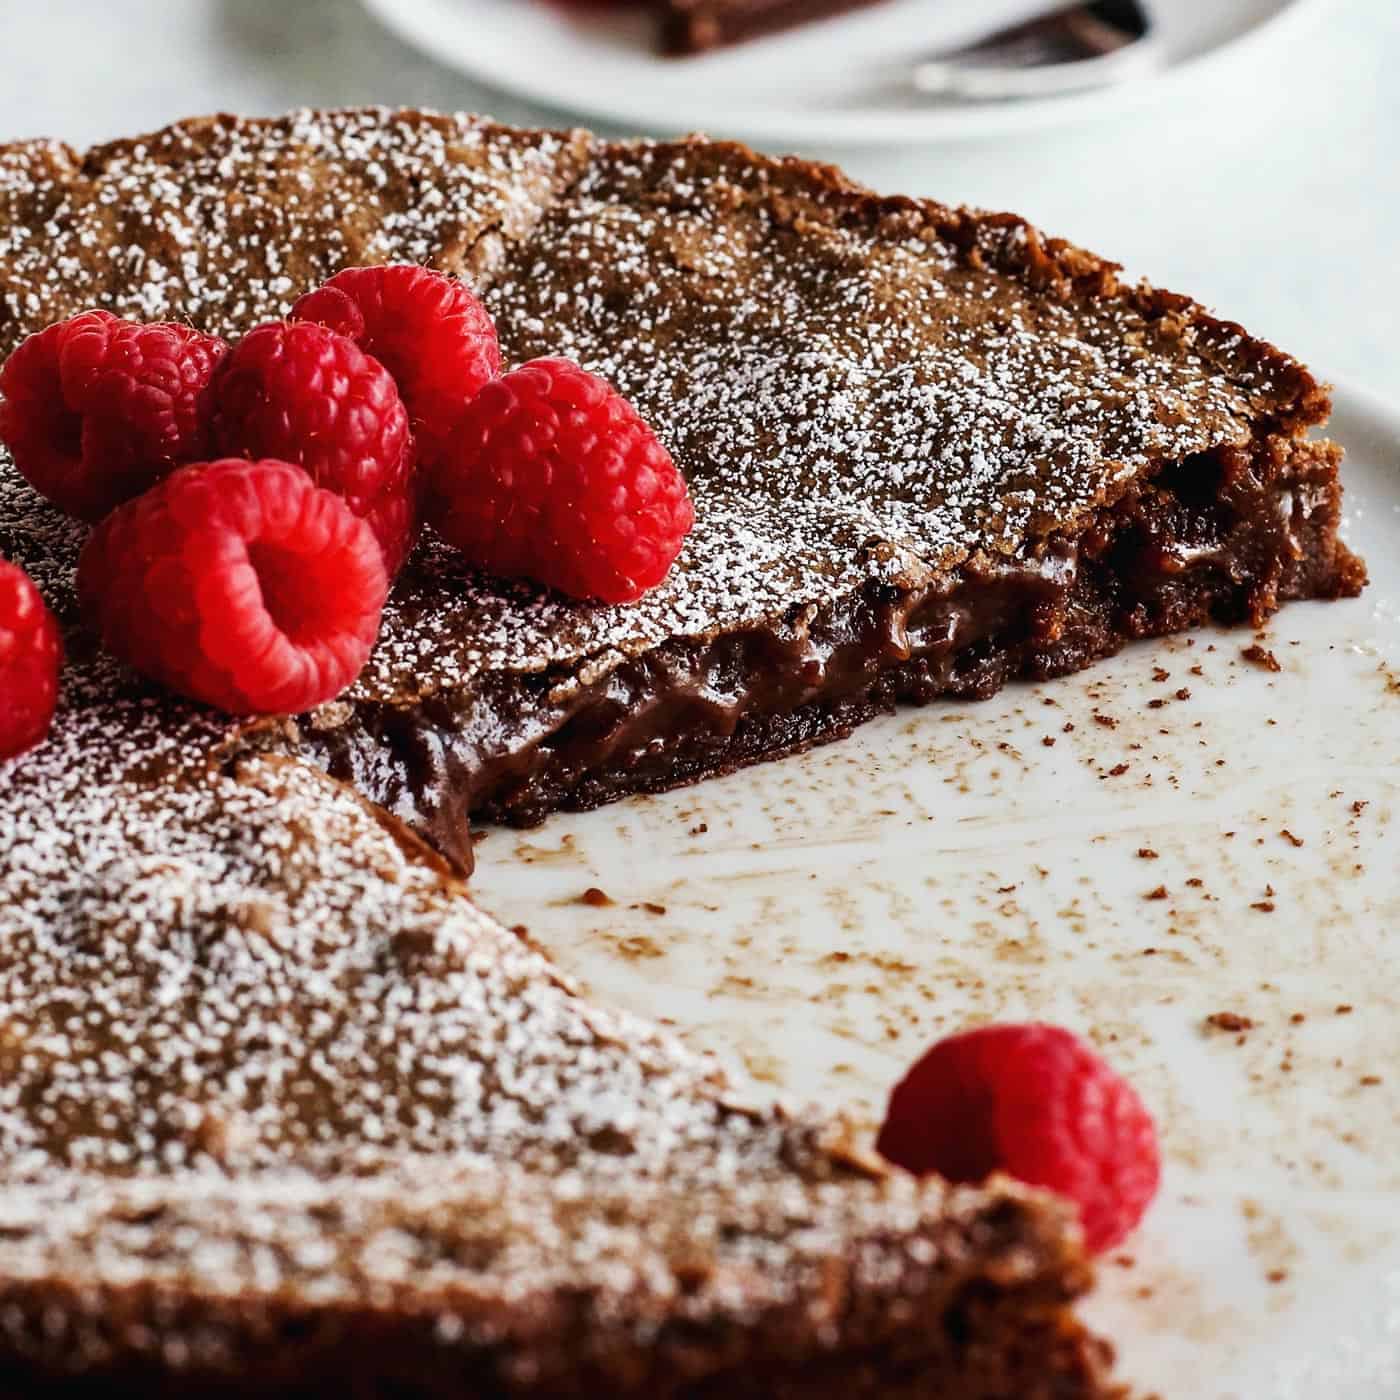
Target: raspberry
(552, 475)
(31, 653)
(242, 584)
(97, 409)
(1035, 1102)
(425, 328)
(300, 393)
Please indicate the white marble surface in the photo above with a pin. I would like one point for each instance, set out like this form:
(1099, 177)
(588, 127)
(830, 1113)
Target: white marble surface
(1275, 197)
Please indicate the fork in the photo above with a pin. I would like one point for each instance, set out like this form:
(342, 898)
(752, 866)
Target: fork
(1072, 49)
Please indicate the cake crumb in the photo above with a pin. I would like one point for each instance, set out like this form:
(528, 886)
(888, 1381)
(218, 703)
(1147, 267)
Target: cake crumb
(1229, 1021)
(639, 946)
(1262, 657)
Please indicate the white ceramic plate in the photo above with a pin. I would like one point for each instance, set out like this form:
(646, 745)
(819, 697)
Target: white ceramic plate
(827, 917)
(844, 80)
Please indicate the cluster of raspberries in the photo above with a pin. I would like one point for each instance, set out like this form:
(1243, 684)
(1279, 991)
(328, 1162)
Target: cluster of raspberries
(252, 504)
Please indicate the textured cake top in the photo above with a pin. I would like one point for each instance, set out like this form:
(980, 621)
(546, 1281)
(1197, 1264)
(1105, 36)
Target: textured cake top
(258, 1053)
(856, 388)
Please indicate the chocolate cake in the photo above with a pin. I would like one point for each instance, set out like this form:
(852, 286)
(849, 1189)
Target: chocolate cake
(280, 1111)
(692, 26)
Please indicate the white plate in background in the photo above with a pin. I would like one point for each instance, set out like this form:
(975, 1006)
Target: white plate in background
(828, 916)
(841, 80)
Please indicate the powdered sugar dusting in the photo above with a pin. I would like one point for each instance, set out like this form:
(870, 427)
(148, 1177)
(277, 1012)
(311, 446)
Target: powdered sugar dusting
(253, 1044)
(223, 222)
(278, 982)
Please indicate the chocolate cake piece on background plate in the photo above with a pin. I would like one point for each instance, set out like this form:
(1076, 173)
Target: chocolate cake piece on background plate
(693, 26)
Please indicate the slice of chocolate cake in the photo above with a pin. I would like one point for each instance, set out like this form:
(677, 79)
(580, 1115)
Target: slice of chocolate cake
(692, 26)
(930, 452)
(282, 1114)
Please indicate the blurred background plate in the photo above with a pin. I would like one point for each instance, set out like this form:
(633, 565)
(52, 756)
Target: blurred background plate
(844, 80)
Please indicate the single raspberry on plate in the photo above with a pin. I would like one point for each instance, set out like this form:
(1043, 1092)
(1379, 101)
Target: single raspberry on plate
(297, 392)
(97, 409)
(1034, 1102)
(553, 475)
(426, 328)
(242, 584)
(31, 656)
